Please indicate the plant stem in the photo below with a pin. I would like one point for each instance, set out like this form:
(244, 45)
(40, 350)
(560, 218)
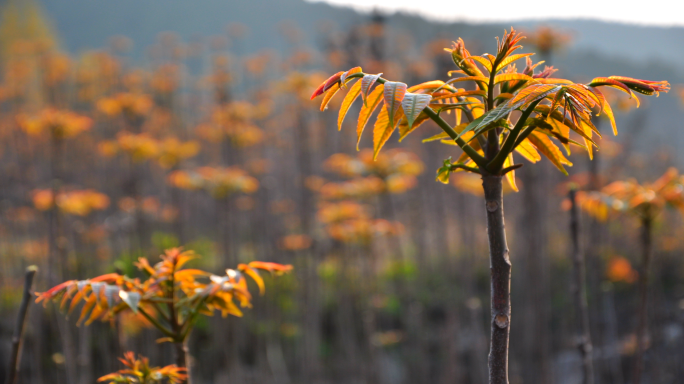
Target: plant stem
(500, 270)
(183, 358)
(579, 294)
(157, 324)
(476, 157)
(646, 235)
(19, 326)
(509, 145)
(180, 343)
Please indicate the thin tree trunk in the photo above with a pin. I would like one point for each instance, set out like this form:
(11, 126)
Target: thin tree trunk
(452, 370)
(500, 270)
(643, 296)
(19, 327)
(580, 295)
(533, 314)
(479, 347)
(311, 365)
(183, 358)
(611, 348)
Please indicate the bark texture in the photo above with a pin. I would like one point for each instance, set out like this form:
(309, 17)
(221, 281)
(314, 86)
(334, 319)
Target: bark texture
(579, 295)
(646, 256)
(183, 358)
(19, 327)
(500, 270)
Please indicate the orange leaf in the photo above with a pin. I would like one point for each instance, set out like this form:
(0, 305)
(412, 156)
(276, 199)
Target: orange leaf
(343, 77)
(394, 93)
(510, 175)
(255, 276)
(366, 111)
(383, 129)
(605, 107)
(328, 96)
(512, 76)
(511, 59)
(434, 84)
(366, 84)
(549, 149)
(271, 267)
(89, 304)
(326, 84)
(347, 102)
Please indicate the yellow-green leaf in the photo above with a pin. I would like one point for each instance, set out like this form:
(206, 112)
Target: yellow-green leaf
(439, 136)
(528, 151)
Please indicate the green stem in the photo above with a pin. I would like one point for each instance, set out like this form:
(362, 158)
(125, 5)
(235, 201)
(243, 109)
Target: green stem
(490, 89)
(523, 136)
(465, 167)
(493, 147)
(511, 168)
(160, 311)
(497, 162)
(157, 324)
(476, 157)
(186, 327)
(472, 153)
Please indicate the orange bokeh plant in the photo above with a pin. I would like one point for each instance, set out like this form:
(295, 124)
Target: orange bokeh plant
(171, 298)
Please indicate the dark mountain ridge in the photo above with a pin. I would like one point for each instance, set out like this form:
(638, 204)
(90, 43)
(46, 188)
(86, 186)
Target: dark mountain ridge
(599, 48)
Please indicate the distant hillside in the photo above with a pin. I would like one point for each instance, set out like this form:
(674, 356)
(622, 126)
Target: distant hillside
(88, 24)
(599, 49)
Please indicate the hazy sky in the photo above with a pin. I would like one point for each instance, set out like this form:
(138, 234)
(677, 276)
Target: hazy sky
(651, 12)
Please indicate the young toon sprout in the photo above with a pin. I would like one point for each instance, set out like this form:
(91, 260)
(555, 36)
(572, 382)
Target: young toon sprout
(138, 371)
(171, 298)
(508, 112)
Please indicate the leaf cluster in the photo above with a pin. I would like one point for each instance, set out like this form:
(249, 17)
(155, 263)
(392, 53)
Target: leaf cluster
(138, 371)
(628, 196)
(527, 112)
(171, 298)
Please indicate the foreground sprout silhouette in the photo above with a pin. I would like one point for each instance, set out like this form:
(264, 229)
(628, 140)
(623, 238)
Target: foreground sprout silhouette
(171, 298)
(138, 371)
(493, 130)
